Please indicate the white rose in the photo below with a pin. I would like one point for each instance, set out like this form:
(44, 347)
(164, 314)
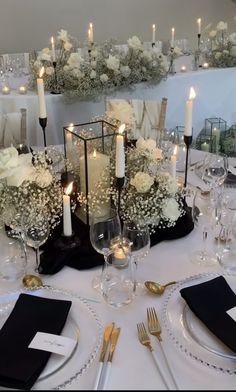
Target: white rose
(112, 63)
(67, 46)
(177, 51)
(232, 38)
(93, 74)
(147, 55)
(49, 71)
(170, 209)
(125, 71)
(15, 168)
(104, 78)
(142, 182)
(135, 43)
(77, 73)
(217, 55)
(21, 174)
(212, 33)
(44, 56)
(8, 160)
(94, 53)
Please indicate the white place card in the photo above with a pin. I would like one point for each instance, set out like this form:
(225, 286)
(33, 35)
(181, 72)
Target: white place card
(232, 313)
(53, 343)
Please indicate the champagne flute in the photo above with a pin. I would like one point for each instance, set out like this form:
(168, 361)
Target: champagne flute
(215, 170)
(140, 245)
(104, 228)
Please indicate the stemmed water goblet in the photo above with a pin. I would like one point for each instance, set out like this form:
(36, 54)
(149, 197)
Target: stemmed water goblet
(204, 215)
(215, 170)
(35, 231)
(139, 237)
(105, 227)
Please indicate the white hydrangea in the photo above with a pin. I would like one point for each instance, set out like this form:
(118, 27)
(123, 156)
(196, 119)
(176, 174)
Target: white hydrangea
(67, 46)
(170, 209)
(74, 60)
(177, 51)
(142, 182)
(147, 55)
(135, 43)
(212, 33)
(113, 63)
(63, 35)
(221, 26)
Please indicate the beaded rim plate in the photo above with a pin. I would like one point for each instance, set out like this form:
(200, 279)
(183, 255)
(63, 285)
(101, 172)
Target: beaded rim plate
(83, 324)
(189, 334)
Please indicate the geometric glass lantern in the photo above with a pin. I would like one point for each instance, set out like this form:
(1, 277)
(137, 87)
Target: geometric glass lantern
(88, 147)
(209, 139)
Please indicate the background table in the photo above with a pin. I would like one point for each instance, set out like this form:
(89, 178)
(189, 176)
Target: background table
(215, 89)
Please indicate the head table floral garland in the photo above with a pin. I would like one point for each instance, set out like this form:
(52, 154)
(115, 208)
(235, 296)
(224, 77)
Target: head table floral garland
(102, 69)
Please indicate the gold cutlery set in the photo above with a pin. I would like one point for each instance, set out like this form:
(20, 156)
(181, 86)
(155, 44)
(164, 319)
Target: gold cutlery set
(154, 328)
(111, 335)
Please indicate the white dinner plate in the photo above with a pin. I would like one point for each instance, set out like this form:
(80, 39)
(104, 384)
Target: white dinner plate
(83, 325)
(189, 334)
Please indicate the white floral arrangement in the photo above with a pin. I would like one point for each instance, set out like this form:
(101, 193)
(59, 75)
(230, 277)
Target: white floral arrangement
(150, 196)
(222, 51)
(104, 69)
(28, 183)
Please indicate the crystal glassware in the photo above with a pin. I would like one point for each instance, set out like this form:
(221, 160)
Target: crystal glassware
(105, 226)
(140, 245)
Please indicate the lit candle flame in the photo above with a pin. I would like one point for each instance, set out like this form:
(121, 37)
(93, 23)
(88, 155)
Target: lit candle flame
(52, 40)
(91, 26)
(71, 127)
(192, 93)
(154, 27)
(69, 188)
(94, 153)
(41, 72)
(121, 129)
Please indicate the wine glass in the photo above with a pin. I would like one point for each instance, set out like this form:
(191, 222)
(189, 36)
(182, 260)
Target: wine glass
(215, 170)
(105, 226)
(139, 237)
(35, 230)
(204, 215)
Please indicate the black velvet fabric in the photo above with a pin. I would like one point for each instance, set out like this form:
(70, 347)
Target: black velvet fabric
(20, 366)
(210, 301)
(53, 258)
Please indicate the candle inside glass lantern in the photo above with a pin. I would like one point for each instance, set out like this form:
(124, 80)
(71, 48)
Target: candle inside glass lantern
(205, 65)
(22, 90)
(183, 68)
(6, 90)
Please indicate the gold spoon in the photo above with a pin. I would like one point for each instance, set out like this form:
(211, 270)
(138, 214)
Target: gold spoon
(32, 282)
(157, 288)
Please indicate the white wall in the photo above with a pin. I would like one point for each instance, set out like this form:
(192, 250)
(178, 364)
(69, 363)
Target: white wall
(26, 25)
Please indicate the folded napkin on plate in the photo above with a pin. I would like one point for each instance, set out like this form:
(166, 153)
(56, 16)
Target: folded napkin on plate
(210, 301)
(20, 366)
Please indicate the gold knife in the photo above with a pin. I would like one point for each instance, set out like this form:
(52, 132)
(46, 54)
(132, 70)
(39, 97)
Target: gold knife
(106, 339)
(114, 339)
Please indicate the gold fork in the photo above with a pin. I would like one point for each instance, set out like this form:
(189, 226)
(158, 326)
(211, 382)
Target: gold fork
(154, 328)
(145, 340)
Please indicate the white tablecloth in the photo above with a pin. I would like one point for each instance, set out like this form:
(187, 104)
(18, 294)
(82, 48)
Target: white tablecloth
(133, 367)
(215, 89)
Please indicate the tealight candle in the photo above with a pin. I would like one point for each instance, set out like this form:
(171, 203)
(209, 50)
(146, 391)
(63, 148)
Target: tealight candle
(205, 65)
(183, 68)
(22, 90)
(6, 90)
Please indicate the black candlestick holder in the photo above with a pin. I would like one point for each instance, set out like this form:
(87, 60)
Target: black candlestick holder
(198, 41)
(171, 70)
(43, 124)
(187, 141)
(56, 89)
(119, 185)
(66, 243)
(153, 44)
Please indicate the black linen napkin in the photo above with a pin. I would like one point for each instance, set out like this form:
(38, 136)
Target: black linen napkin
(210, 301)
(20, 366)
